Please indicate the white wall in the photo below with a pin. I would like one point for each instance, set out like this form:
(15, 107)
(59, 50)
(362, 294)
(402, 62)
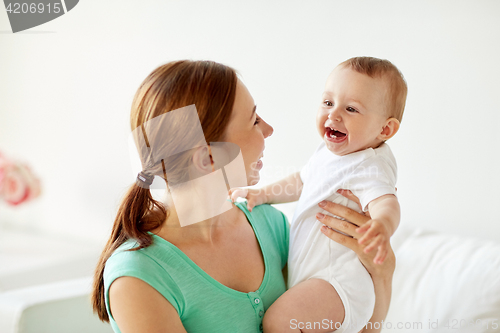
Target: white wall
(66, 89)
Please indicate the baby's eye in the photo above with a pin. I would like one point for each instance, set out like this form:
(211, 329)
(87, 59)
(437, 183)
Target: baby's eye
(351, 109)
(328, 103)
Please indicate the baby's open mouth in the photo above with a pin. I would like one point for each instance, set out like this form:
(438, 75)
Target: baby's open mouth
(333, 133)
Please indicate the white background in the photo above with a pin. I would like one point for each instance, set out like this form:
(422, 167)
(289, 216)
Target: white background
(66, 88)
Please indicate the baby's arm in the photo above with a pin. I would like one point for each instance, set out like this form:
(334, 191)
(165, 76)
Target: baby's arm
(385, 215)
(287, 189)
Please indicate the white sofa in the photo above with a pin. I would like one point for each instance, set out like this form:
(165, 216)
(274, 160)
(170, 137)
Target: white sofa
(45, 282)
(442, 283)
(50, 308)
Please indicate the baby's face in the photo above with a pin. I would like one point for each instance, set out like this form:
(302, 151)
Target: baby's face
(352, 115)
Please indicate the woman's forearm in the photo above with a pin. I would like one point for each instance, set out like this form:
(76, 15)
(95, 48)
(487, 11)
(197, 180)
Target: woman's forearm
(383, 291)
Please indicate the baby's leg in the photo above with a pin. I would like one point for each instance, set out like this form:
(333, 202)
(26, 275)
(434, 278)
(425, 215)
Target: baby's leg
(312, 306)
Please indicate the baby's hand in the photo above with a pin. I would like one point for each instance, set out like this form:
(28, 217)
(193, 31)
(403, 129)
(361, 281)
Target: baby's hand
(376, 236)
(254, 197)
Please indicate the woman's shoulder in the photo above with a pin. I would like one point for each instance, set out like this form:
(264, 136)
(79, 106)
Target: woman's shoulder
(153, 264)
(265, 213)
(156, 260)
(268, 222)
(127, 260)
(265, 209)
(147, 265)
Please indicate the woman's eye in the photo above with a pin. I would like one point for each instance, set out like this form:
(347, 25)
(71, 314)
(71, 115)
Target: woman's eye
(328, 103)
(257, 120)
(350, 109)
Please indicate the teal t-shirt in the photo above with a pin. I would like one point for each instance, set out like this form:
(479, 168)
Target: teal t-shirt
(204, 304)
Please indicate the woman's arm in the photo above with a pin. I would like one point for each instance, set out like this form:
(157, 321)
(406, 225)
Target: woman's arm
(381, 274)
(138, 308)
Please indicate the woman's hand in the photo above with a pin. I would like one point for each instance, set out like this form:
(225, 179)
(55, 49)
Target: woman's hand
(357, 220)
(381, 274)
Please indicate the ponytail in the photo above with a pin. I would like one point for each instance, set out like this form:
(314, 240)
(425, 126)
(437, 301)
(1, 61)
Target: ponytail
(138, 214)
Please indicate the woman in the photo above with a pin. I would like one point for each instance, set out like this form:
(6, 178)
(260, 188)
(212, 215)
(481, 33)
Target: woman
(220, 274)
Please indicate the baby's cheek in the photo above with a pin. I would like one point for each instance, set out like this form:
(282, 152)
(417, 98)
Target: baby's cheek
(320, 121)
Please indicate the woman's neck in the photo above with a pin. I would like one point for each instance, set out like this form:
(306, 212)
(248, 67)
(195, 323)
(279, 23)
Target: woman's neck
(204, 231)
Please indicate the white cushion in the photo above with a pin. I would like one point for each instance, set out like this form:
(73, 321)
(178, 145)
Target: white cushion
(445, 283)
(58, 307)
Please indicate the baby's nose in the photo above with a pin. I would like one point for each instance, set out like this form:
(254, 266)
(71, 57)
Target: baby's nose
(334, 115)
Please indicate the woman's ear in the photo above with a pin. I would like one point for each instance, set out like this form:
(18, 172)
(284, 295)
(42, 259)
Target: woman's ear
(202, 160)
(390, 128)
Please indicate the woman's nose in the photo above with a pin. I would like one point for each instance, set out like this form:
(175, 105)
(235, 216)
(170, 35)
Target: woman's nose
(268, 129)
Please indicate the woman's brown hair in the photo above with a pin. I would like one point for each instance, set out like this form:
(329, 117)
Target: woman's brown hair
(211, 87)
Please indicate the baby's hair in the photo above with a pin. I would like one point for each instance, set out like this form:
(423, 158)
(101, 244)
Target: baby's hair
(381, 68)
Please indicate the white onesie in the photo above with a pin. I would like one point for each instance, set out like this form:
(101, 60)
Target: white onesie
(369, 174)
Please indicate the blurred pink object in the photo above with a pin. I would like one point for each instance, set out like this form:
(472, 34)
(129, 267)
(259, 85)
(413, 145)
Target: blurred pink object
(17, 183)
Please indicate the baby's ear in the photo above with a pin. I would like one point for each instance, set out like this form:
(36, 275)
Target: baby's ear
(390, 128)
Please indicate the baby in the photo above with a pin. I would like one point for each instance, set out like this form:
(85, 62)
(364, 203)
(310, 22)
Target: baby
(361, 108)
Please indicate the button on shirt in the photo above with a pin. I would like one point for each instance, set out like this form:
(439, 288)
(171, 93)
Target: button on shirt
(258, 308)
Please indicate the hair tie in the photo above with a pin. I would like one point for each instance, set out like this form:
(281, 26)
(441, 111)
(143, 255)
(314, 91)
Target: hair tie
(145, 179)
